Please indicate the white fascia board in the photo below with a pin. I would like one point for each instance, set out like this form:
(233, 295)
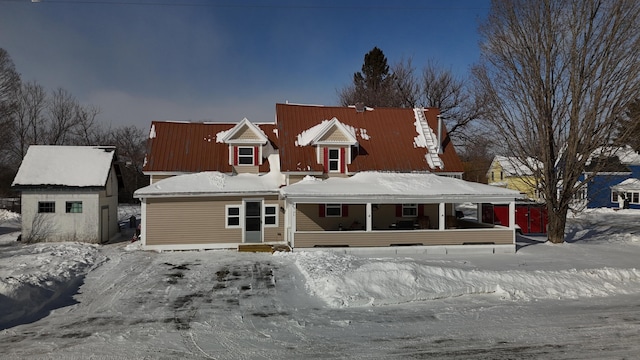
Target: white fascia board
(337, 124)
(203, 194)
(228, 138)
(377, 199)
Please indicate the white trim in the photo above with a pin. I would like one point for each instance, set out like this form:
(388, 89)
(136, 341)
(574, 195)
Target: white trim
(223, 246)
(143, 222)
(326, 208)
(264, 215)
(329, 159)
(418, 250)
(239, 216)
(244, 219)
(262, 138)
(253, 155)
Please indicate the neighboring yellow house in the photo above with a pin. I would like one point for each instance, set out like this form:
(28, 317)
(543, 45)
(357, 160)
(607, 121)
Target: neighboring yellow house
(515, 174)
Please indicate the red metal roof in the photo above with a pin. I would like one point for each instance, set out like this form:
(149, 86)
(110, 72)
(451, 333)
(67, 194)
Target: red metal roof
(389, 147)
(192, 147)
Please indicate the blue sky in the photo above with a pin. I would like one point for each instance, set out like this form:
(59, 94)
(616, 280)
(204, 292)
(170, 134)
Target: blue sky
(223, 60)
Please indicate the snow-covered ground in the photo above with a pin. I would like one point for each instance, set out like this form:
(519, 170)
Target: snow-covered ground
(577, 300)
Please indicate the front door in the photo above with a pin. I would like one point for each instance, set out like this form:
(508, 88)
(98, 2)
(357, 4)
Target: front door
(253, 221)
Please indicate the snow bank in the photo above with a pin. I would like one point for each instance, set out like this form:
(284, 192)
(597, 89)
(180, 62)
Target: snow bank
(36, 278)
(6, 215)
(347, 281)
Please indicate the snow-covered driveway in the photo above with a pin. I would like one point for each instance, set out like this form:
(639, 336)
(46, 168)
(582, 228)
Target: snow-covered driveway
(579, 300)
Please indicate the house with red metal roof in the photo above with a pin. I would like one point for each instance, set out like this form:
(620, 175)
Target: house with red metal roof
(318, 176)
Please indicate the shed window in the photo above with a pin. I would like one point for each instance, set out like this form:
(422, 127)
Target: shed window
(73, 207)
(232, 216)
(46, 206)
(270, 215)
(245, 156)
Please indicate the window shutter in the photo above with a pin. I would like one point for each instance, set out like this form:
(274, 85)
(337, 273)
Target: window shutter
(321, 211)
(235, 155)
(345, 210)
(255, 156)
(399, 210)
(420, 210)
(326, 159)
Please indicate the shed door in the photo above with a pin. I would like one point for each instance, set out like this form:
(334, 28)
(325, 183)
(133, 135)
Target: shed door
(104, 224)
(253, 221)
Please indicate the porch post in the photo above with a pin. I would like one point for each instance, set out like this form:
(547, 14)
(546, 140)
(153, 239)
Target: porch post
(441, 216)
(512, 215)
(143, 222)
(291, 215)
(369, 219)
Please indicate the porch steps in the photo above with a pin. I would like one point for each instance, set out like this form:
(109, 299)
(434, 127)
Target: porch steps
(255, 248)
(270, 248)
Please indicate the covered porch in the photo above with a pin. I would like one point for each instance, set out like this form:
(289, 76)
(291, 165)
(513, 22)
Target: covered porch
(385, 209)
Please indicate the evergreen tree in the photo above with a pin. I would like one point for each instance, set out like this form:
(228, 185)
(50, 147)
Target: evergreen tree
(373, 86)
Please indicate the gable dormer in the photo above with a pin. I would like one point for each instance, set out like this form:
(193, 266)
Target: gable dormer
(246, 142)
(334, 142)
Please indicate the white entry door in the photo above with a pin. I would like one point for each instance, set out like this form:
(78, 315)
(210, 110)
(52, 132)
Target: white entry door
(253, 221)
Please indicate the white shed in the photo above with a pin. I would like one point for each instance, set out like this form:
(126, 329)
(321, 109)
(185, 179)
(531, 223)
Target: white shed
(69, 193)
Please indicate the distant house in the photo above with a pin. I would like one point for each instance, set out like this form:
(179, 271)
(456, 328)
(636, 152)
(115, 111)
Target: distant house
(69, 193)
(613, 172)
(516, 174)
(317, 177)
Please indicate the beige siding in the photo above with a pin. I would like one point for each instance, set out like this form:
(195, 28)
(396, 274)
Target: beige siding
(245, 134)
(179, 221)
(245, 169)
(409, 237)
(334, 135)
(156, 178)
(295, 178)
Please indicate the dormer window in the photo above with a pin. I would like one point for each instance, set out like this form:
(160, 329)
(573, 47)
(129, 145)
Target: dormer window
(245, 155)
(334, 160)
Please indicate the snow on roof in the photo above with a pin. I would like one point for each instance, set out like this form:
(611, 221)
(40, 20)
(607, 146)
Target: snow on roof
(80, 166)
(628, 184)
(513, 166)
(395, 185)
(625, 154)
(212, 182)
(307, 137)
(215, 182)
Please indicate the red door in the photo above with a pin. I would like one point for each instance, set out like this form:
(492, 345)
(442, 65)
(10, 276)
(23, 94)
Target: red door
(501, 215)
(522, 217)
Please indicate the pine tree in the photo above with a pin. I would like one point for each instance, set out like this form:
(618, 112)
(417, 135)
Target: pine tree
(373, 86)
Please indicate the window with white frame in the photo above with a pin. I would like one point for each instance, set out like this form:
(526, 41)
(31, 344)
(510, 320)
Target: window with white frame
(334, 160)
(73, 207)
(333, 210)
(632, 196)
(232, 216)
(270, 215)
(46, 206)
(409, 210)
(245, 155)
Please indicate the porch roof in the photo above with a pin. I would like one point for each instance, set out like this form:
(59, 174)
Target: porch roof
(627, 185)
(213, 183)
(381, 187)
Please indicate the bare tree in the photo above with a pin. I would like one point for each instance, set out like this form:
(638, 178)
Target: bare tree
(130, 143)
(86, 129)
(558, 75)
(62, 116)
(459, 105)
(28, 119)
